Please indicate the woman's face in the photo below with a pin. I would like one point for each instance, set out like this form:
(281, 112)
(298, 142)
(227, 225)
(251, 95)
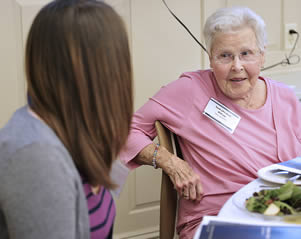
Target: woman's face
(236, 62)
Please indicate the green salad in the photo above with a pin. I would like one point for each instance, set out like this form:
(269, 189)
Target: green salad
(285, 200)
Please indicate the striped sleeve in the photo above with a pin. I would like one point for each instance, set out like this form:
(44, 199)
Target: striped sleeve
(102, 212)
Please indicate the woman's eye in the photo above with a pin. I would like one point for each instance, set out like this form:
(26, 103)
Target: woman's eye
(246, 53)
(225, 55)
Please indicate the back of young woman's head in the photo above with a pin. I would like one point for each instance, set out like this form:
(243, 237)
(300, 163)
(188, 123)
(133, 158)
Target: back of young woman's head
(79, 79)
(231, 19)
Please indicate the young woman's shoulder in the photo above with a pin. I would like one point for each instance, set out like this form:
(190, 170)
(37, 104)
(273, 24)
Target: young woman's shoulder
(40, 189)
(46, 164)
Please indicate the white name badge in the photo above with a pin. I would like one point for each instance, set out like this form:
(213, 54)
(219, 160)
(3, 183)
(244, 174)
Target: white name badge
(221, 115)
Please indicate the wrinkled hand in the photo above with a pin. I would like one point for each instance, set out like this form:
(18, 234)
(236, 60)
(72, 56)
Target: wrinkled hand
(186, 181)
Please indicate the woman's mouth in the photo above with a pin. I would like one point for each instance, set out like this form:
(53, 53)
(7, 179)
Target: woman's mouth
(238, 79)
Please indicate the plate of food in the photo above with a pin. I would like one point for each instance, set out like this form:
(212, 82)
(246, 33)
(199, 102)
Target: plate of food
(282, 172)
(280, 203)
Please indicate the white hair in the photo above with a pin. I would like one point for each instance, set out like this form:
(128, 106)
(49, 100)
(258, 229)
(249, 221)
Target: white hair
(231, 19)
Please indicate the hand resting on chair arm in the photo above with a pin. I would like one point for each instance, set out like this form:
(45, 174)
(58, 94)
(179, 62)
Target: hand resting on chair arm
(185, 180)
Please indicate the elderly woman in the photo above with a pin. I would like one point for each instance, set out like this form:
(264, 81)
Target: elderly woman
(229, 120)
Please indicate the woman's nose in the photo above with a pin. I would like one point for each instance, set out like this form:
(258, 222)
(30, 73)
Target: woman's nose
(237, 64)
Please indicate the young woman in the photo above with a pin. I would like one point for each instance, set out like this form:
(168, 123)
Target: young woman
(79, 82)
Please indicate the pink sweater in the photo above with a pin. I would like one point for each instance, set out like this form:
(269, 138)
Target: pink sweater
(224, 161)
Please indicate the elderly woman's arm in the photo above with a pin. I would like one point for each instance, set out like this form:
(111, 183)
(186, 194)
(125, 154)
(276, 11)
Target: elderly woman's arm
(186, 181)
(170, 105)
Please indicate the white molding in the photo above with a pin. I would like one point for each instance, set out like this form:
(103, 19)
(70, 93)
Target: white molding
(145, 208)
(32, 2)
(148, 233)
(19, 53)
(22, 19)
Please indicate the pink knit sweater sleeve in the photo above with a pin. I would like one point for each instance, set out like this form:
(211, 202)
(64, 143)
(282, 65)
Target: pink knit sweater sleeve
(170, 104)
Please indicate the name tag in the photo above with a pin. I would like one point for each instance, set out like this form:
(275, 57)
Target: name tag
(221, 115)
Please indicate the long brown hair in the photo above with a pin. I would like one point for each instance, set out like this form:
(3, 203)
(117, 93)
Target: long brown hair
(79, 79)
